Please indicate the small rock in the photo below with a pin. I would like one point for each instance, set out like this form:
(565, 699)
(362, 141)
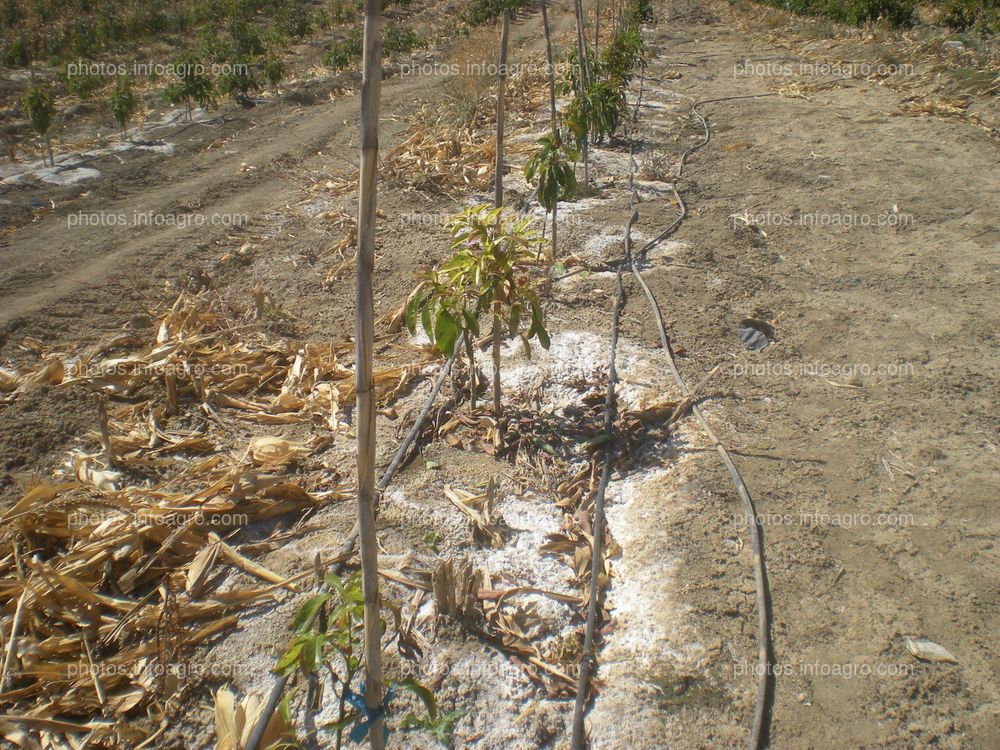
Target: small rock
(801, 697)
(140, 322)
(755, 334)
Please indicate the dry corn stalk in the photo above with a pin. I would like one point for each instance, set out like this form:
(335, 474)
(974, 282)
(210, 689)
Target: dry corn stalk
(478, 508)
(125, 560)
(433, 160)
(456, 590)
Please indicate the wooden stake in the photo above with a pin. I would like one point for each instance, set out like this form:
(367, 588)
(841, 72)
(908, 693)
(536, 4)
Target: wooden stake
(581, 44)
(552, 112)
(597, 28)
(364, 334)
(497, 336)
(15, 627)
(501, 93)
(470, 354)
(583, 83)
(498, 202)
(102, 421)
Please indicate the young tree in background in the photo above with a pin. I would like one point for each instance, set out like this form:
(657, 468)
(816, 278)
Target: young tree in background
(41, 109)
(124, 104)
(192, 84)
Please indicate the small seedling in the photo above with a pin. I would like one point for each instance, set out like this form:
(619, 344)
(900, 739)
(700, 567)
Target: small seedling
(432, 540)
(551, 165)
(328, 635)
(441, 727)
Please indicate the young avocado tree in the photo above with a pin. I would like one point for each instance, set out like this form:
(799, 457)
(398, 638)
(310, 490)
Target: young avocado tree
(238, 80)
(329, 632)
(494, 270)
(598, 107)
(124, 104)
(364, 336)
(192, 84)
(625, 54)
(552, 165)
(274, 71)
(448, 309)
(41, 109)
(597, 113)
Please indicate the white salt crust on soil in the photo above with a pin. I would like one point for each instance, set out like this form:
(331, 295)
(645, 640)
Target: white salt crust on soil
(651, 639)
(503, 709)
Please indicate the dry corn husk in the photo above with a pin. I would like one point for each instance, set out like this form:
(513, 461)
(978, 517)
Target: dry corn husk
(234, 721)
(8, 380)
(265, 449)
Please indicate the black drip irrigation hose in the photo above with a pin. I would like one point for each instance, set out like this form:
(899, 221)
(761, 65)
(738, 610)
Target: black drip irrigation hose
(347, 548)
(588, 657)
(757, 738)
(758, 732)
(682, 206)
(758, 728)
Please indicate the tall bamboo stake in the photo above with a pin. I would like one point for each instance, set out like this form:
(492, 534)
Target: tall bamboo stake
(581, 42)
(597, 28)
(501, 93)
(583, 83)
(498, 200)
(364, 335)
(552, 111)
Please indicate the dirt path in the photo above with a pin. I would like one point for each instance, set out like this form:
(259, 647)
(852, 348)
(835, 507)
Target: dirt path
(867, 431)
(248, 174)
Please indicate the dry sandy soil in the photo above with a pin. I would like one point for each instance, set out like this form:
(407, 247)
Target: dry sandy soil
(867, 431)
